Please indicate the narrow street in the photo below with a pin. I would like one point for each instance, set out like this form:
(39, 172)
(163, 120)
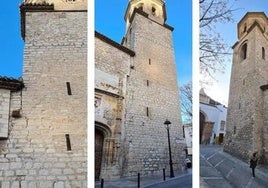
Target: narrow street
(181, 179)
(221, 170)
(184, 181)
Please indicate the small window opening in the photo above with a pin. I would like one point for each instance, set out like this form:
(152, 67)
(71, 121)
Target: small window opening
(68, 142)
(147, 111)
(234, 129)
(153, 10)
(243, 53)
(149, 61)
(147, 82)
(239, 106)
(263, 53)
(127, 78)
(69, 91)
(245, 28)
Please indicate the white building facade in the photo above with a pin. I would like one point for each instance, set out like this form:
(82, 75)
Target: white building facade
(212, 121)
(188, 135)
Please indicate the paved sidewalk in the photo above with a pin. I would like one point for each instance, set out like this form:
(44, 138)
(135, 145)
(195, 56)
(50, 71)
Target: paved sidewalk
(145, 181)
(203, 184)
(232, 170)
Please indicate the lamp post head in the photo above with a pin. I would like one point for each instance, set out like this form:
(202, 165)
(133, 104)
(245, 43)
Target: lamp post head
(167, 123)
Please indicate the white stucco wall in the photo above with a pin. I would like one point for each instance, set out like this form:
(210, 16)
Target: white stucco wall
(215, 114)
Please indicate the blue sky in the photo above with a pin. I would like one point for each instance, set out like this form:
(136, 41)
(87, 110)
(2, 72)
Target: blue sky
(109, 20)
(11, 48)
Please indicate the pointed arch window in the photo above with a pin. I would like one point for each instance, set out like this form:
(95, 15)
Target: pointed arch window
(263, 53)
(243, 51)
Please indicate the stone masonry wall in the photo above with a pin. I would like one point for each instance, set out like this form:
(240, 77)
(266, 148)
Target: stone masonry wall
(152, 97)
(36, 152)
(245, 111)
(112, 67)
(4, 112)
(265, 129)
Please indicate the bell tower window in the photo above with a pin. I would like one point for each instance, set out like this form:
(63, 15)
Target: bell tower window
(263, 53)
(153, 11)
(243, 52)
(140, 6)
(245, 28)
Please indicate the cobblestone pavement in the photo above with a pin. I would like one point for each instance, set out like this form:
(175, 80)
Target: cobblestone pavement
(220, 169)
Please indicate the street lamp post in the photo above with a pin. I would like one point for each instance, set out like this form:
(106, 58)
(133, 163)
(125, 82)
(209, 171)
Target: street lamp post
(167, 123)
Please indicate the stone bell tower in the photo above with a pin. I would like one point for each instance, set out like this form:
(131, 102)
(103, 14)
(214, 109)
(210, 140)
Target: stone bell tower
(152, 91)
(154, 9)
(247, 118)
(46, 144)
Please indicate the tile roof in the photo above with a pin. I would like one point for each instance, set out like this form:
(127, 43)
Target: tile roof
(11, 83)
(114, 44)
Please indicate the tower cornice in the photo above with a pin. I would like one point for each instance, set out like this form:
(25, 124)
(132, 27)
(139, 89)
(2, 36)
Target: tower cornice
(248, 14)
(255, 24)
(154, 9)
(39, 6)
(60, 4)
(32, 7)
(244, 27)
(131, 2)
(140, 12)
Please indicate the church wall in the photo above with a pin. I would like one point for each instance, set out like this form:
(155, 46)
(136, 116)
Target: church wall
(265, 128)
(152, 98)
(111, 69)
(111, 60)
(4, 112)
(37, 150)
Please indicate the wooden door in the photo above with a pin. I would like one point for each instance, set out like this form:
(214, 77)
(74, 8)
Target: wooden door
(98, 152)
